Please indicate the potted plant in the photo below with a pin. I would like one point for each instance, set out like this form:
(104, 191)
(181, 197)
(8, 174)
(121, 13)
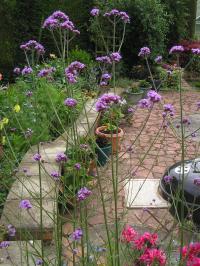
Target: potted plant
(103, 150)
(134, 94)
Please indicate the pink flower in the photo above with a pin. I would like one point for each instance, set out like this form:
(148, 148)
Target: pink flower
(145, 240)
(152, 256)
(128, 234)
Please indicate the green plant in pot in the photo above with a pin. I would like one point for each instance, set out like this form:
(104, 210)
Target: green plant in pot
(134, 94)
(103, 150)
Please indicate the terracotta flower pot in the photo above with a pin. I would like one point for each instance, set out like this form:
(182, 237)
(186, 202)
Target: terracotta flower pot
(115, 139)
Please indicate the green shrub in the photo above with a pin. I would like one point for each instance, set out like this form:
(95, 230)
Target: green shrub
(169, 79)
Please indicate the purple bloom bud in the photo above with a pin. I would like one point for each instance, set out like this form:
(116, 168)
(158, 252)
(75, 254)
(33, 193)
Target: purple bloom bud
(51, 23)
(17, 70)
(144, 52)
(29, 93)
(168, 108)
(153, 96)
(115, 57)
(32, 45)
(77, 234)
(67, 25)
(124, 16)
(77, 166)
(61, 157)
(11, 230)
(70, 102)
(4, 244)
(158, 59)
(106, 76)
(168, 179)
(186, 121)
(55, 175)
(37, 157)
(26, 70)
(197, 181)
(104, 59)
(113, 12)
(94, 12)
(83, 193)
(130, 110)
(176, 49)
(46, 72)
(196, 51)
(60, 15)
(103, 83)
(25, 204)
(194, 134)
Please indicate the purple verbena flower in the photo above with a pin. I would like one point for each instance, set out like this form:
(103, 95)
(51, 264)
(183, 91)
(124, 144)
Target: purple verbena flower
(104, 59)
(124, 16)
(197, 181)
(106, 76)
(70, 102)
(168, 108)
(186, 121)
(59, 15)
(83, 193)
(115, 57)
(94, 12)
(55, 175)
(4, 244)
(77, 234)
(33, 45)
(17, 70)
(71, 72)
(144, 52)
(195, 51)
(46, 72)
(26, 70)
(51, 23)
(29, 93)
(153, 96)
(130, 110)
(11, 230)
(25, 204)
(103, 83)
(37, 157)
(113, 12)
(158, 59)
(168, 179)
(61, 157)
(39, 262)
(144, 103)
(67, 25)
(77, 166)
(176, 49)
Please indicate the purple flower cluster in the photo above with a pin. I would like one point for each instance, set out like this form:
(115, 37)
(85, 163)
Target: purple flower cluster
(26, 70)
(77, 234)
(195, 51)
(176, 49)
(46, 72)
(39, 262)
(144, 52)
(106, 100)
(29, 93)
(55, 175)
(158, 59)
(197, 181)
(25, 204)
(70, 102)
(11, 230)
(33, 45)
(71, 72)
(104, 59)
(168, 109)
(83, 193)
(4, 244)
(17, 70)
(77, 166)
(105, 78)
(121, 14)
(61, 157)
(144, 103)
(37, 157)
(60, 20)
(94, 12)
(115, 57)
(186, 121)
(168, 179)
(153, 96)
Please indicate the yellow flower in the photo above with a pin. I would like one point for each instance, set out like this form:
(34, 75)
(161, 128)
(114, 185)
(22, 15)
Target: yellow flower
(3, 140)
(52, 56)
(5, 120)
(17, 108)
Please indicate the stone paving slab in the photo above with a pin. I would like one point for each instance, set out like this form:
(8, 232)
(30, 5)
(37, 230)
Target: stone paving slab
(16, 253)
(28, 222)
(26, 188)
(143, 193)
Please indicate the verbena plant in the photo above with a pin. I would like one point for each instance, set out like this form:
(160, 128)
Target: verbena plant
(120, 244)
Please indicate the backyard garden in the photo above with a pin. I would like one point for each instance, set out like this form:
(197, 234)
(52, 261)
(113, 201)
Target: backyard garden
(99, 133)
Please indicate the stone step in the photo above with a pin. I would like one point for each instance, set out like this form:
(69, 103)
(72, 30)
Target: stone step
(20, 253)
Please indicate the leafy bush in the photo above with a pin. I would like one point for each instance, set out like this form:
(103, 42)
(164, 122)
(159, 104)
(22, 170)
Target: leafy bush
(169, 79)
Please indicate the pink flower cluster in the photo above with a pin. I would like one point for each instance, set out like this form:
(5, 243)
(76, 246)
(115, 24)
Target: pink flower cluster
(106, 100)
(60, 20)
(190, 254)
(146, 245)
(71, 72)
(32, 45)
